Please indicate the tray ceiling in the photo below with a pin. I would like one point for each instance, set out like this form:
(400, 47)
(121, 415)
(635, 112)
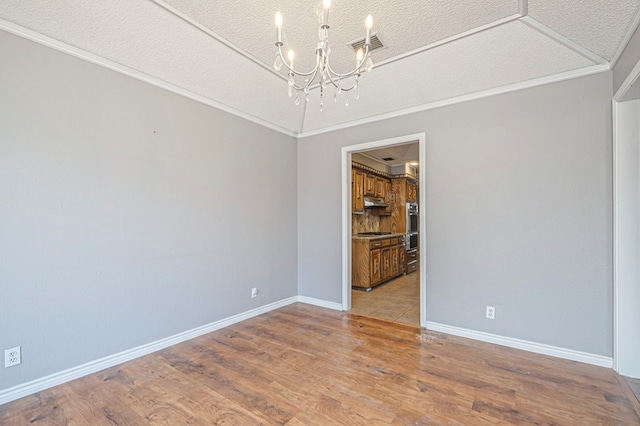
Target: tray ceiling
(222, 53)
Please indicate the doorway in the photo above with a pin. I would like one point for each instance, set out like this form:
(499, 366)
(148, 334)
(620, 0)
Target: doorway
(405, 286)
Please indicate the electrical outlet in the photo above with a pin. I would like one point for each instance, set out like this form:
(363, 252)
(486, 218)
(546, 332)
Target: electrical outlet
(254, 292)
(12, 357)
(491, 312)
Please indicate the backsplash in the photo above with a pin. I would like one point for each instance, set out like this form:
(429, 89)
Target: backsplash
(369, 222)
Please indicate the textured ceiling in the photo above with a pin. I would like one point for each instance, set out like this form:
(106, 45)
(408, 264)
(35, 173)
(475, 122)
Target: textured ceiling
(222, 52)
(399, 154)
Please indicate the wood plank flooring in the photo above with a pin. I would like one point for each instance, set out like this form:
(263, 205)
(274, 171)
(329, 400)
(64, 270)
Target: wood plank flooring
(634, 385)
(396, 300)
(304, 365)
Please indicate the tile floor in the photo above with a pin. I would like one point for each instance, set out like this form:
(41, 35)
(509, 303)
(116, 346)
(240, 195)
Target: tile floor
(397, 300)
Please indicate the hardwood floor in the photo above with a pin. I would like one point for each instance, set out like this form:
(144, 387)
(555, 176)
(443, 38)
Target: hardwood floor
(304, 365)
(634, 385)
(397, 300)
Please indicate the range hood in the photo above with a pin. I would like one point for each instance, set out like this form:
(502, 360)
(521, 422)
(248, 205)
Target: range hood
(374, 203)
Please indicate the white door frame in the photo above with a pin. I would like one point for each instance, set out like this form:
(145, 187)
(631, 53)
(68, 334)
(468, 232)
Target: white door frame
(346, 215)
(618, 298)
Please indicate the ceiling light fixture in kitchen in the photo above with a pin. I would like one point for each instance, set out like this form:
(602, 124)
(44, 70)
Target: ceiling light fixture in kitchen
(322, 70)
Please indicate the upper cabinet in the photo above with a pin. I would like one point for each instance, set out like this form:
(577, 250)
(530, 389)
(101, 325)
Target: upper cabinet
(366, 183)
(388, 198)
(357, 191)
(380, 187)
(369, 185)
(412, 191)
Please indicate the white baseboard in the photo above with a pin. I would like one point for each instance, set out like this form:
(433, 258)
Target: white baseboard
(319, 302)
(29, 388)
(539, 348)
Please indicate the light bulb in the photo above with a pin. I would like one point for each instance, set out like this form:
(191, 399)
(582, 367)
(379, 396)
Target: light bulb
(326, 4)
(359, 55)
(290, 55)
(368, 23)
(278, 28)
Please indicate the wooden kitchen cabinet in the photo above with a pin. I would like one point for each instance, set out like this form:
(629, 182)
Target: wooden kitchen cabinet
(395, 260)
(375, 261)
(357, 194)
(388, 198)
(412, 192)
(375, 265)
(369, 185)
(386, 263)
(380, 187)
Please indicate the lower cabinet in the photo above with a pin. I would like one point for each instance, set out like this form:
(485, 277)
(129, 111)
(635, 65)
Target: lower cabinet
(375, 265)
(412, 261)
(375, 261)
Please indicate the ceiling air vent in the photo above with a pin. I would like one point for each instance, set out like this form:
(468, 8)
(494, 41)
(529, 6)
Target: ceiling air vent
(388, 158)
(376, 43)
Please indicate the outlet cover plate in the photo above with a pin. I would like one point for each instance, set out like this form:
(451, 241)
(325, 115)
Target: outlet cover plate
(491, 312)
(12, 357)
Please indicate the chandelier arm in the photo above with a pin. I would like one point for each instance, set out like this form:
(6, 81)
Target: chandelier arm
(313, 77)
(356, 70)
(343, 89)
(303, 74)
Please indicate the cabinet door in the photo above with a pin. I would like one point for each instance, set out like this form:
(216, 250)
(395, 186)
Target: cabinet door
(380, 187)
(353, 191)
(369, 185)
(411, 192)
(357, 198)
(376, 267)
(395, 258)
(388, 198)
(402, 259)
(386, 263)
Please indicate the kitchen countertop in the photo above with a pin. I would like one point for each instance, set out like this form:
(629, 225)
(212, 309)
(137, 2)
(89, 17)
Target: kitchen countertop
(376, 237)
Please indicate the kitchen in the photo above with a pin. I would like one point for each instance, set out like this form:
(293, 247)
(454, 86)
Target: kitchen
(385, 233)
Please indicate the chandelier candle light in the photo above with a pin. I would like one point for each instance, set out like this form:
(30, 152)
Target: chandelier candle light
(327, 76)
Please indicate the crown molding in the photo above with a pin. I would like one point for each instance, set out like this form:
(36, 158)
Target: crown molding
(207, 31)
(113, 66)
(583, 72)
(129, 72)
(523, 7)
(505, 20)
(559, 38)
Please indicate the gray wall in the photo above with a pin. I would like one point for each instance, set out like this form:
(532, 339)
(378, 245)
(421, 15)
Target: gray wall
(128, 213)
(629, 58)
(519, 212)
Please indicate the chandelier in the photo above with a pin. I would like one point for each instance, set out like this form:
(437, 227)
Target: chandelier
(322, 73)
